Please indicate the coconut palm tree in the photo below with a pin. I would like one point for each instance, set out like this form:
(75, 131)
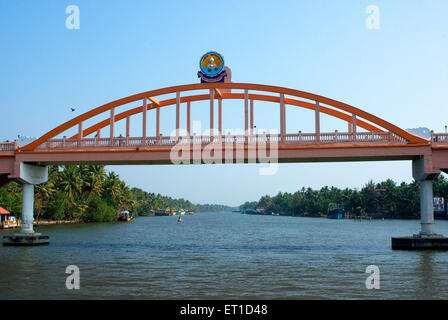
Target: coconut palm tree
(93, 177)
(42, 194)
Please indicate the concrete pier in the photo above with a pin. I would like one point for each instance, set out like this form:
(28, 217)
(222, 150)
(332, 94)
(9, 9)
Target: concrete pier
(27, 208)
(29, 176)
(419, 242)
(26, 239)
(427, 238)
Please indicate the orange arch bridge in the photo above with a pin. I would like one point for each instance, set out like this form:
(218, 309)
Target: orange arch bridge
(368, 137)
(381, 129)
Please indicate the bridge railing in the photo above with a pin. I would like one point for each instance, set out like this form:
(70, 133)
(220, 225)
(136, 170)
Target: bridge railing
(164, 141)
(8, 146)
(439, 138)
(344, 137)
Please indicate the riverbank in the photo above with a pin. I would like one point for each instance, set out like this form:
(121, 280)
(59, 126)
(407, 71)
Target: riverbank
(47, 222)
(44, 222)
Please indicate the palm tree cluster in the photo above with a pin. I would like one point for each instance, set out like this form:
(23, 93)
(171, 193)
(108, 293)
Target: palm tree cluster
(84, 193)
(146, 202)
(382, 200)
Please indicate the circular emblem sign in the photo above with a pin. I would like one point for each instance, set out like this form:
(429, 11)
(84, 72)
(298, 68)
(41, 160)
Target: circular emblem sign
(211, 63)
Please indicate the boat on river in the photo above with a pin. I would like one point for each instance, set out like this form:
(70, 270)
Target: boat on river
(125, 216)
(335, 211)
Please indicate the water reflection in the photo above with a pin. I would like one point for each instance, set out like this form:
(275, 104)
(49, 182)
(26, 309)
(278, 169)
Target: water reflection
(427, 284)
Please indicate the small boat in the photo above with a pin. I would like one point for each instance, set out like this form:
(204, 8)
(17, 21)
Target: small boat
(179, 220)
(335, 211)
(125, 216)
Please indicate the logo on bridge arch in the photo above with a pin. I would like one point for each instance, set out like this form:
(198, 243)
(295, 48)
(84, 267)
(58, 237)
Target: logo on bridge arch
(212, 67)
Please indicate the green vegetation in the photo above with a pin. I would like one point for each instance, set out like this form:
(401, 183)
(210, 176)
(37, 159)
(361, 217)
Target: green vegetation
(385, 199)
(84, 193)
(212, 208)
(89, 194)
(149, 201)
(146, 201)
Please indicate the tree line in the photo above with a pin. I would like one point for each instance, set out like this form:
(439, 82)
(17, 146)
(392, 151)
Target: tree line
(385, 199)
(89, 194)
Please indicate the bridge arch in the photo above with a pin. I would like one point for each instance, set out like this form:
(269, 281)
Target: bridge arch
(283, 96)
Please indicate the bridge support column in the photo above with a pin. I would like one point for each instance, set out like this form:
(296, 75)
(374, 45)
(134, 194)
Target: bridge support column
(27, 208)
(426, 208)
(29, 176)
(427, 238)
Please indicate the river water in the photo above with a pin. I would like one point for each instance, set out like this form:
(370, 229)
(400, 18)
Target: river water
(225, 256)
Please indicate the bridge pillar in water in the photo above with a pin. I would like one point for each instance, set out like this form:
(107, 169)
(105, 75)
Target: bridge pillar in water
(29, 176)
(27, 208)
(427, 238)
(426, 208)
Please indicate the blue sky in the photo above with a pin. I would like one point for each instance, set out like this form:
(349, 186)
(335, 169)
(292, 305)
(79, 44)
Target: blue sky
(398, 72)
